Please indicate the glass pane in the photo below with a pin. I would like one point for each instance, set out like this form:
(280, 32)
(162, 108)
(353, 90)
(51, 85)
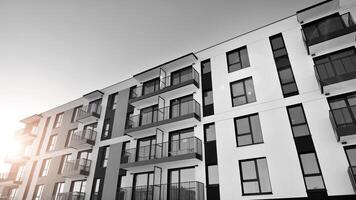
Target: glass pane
(174, 176)
(242, 126)
(351, 155)
(309, 163)
(187, 175)
(300, 130)
(256, 129)
(248, 170)
(237, 89)
(277, 43)
(251, 187)
(289, 88)
(208, 98)
(206, 68)
(330, 25)
(296, 115)
(233, 57)
(282, 62)
(250, 91)
(239, 101)
(234, 67)
(244, 58)
(213, 174)
(337, 104)
(186, 75)
(264, 175)
(210, 132)
(314, 182)
(286, 75)
(141, 179)
(244, 140)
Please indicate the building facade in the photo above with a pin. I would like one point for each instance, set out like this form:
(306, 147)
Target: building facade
(270, 114)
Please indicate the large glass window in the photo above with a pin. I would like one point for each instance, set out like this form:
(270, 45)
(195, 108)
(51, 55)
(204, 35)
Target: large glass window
(52, 143)
(78, 189)
(255, 176)
(181, 75)
(69, 136)
(105, 156)
(237, 59)
(209, 132)
(64, 160)
(106, 129)
(181, 106)
(181, 142)
(242, 92)
(150, 86)
(146, 148)
(45, 167)
(143, 186)
(311, 171)
(297, 120)
(149, 115)
(12, 194)
(58, 120)
(248, 130)
(75, 113)
(58, 188)
(37, 195)
(343, 109)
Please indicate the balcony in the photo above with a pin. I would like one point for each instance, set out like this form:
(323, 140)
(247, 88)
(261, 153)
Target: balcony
(70, 196)
(352, 173)
(25, 136)
(82, 139)
(176, 150)
(329, 32)
(17, 159)
(185, 190)
(343, 122)
(88, 114)
(78, 168)
(333, 74)
(10, 179)
(167, 87)
(183, 113)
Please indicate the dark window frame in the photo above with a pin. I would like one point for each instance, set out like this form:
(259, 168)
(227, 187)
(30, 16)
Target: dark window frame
(314, 174)
(50, 143)
(238, 51)
(105, 156)
(244, 94)
(251, 133)
(75, 113)
(205, 126)
(299, 124)
(55, 124)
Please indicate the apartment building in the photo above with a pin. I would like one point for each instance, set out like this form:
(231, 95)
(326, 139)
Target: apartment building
(270, 114)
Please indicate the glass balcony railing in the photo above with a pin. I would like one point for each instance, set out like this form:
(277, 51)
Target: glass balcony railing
(165, 113)
(338, 70)
(89, 111)
(184, 146)
(83, 138)
(343, 121)
(78, 167)
(328, 28)
(175, 191)
(352, 173)
(165, 82)
(70, 196)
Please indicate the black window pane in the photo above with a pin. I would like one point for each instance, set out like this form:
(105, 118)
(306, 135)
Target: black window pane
(286, 75)
(351, 155)
(282, 62)
(277, 43)
(206, 68)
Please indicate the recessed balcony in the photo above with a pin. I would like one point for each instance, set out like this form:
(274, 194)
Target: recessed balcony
(165, 87)
(88, 114)
(176, 150)
(344, 123)
(78, 168)
(336, 73)
(25, 136)
(10, 179)
(82, 139)
(352, 174)
(329, 32)
(193, 190)
(183, 113)
(70, 196)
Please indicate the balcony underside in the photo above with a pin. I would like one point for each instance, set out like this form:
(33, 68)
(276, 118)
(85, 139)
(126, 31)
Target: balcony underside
(185, 120)
(166, 93)
(339, 39)
(168, 160)
(83, 144)
(89, 118)
(76, 174)
(317, 10)
(17, 160)
(345, 81)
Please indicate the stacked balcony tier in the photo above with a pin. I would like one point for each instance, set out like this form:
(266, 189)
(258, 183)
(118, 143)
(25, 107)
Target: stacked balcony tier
(78, 168)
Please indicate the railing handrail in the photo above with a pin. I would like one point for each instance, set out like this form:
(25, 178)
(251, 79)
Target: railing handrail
(194, 73)
(164, 108)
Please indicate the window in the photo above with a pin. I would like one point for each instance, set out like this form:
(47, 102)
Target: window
(248, 130)
(146, 148)
(69, 136)
(94, 106)
(114, 102)
(96, 194)
(58, 188)
(64, 160)
(181, 178)
(45, 167)
(52, 142)
(150, 86)
(242, 92)
(181, 106)
(105, 156)
(207, 90)
(75, 113)
(12, 194)
(213, 175)
(255, 177)
(351, 155)
(343, 110)
(298, 121)
(78, 187)
(133, 92)
(37, 195)
(142, 185)
(58, 120)
(149, 115)
(311, 171)
(125, 152)
(181, 142)
(181, 75)
(237, 59)
(209, 132)
(106, 129)
(285, 73)
(205, 66)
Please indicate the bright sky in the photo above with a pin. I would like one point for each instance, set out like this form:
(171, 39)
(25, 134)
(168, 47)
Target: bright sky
(52, 52)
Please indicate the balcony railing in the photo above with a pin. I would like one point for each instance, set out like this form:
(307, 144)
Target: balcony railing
(316, 36)
(338, 70)
(173, 148)
(165, 113)
(82, 138)
(166, 82)
(343, 121)
(25, 135)
(352, 173)
(10, 178)
(70, 196)
(88, 111)
(175, 191)
(78, 167)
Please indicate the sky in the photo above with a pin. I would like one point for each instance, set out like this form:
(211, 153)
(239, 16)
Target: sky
(52, 52)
